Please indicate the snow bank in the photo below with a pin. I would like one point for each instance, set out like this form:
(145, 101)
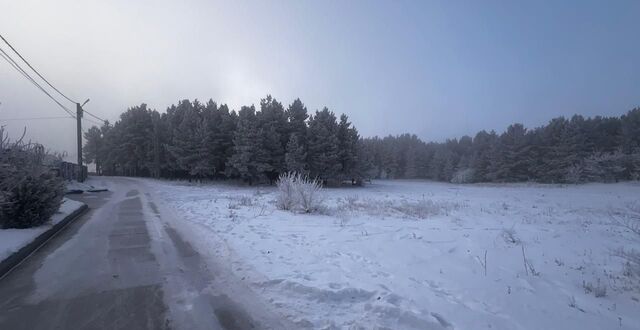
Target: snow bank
(421, 255)
(12, 240)
(89, 184)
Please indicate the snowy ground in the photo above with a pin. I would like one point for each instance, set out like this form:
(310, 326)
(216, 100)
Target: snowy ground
(89, 185)
(12, 240)
(411, 255)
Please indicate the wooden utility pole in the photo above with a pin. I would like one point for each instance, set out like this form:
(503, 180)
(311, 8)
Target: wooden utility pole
(79, 121)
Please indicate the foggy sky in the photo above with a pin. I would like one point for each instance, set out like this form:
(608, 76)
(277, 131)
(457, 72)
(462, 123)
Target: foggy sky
(436, 69)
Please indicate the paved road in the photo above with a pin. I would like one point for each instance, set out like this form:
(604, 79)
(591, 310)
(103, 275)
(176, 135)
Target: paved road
(123, 266)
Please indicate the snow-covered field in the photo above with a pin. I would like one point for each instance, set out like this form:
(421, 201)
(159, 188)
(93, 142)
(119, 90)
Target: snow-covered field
(12, 240)
(424, 255)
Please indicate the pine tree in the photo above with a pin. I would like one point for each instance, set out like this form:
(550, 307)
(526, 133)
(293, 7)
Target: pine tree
(348, 149)
(630, 131)
(133, 130)
(223, 138)
(156, 157)
(513, 162)
(297, 117)
(248, 161)
(93, 144)
(187, 138)
(324, 154)
(273, 130)
(296, 157)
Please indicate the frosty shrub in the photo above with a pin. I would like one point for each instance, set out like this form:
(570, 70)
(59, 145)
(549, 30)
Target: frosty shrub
(598, 289)
(309, 192)
(296, 191)
(245, 201)
(463, 176)
(628, 218)
(32, 202)
(29, 193)
(575, 173)
(600, 167)
(631, 259)
(421, 209)
(286, 198)
(509, 236)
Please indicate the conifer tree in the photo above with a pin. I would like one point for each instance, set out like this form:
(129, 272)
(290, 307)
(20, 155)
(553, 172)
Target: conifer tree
(187, 138)
(297, 117)
(323, 154)
(273, 131)
(92, 147)
(248, 161)
(347, 148)
(296, 156)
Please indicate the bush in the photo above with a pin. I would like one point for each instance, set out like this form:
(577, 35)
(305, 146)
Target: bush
(509, 235)
(463, 176)
(631, 257)
(420, 209)
(598, 289)
(309, 194)
(286, 198)
(296, 191)
(32, 202)
(29, 193)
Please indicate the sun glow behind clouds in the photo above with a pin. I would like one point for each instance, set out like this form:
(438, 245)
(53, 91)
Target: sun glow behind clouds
(238, 83)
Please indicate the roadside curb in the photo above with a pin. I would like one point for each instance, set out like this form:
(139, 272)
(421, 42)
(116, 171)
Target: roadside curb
(18, 257)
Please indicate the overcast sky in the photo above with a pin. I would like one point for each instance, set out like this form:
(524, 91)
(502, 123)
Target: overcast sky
(436, 69)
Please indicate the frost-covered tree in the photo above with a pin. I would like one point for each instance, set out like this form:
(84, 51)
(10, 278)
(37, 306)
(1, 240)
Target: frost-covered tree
(323, 155)
(297, 117)
(187, 140)
(630, 131)
(348, 149)
(249, 161)
(296, 156)
(195, 140)
(273, 132)
(92, 147)
(29, 193)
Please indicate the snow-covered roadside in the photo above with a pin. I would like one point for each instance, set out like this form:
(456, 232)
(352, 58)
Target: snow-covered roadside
(12, 240)
(89, 185)
(403, 254)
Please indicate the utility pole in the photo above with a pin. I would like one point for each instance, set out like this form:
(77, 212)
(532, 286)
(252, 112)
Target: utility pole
(79, 124)
(79, 121)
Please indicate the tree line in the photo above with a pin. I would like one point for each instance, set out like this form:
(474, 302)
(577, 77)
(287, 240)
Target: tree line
(604, 149)
(196, 141)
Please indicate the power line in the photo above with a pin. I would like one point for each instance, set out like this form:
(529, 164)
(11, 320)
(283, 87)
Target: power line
(91, 121)
(33, 118)
(94, 116)
(18, 68)
(34, 70)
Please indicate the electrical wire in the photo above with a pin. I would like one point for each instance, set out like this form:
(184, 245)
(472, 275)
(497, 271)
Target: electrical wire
(28, 77)
(33, 118)
(34, 70)
(91, 121)
(18, 68)
(94, 116)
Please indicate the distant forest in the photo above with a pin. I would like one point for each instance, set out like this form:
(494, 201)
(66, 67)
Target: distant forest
(196, 140)
(193, 140)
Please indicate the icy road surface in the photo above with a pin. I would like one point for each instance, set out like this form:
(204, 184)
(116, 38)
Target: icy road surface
(123, 265)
